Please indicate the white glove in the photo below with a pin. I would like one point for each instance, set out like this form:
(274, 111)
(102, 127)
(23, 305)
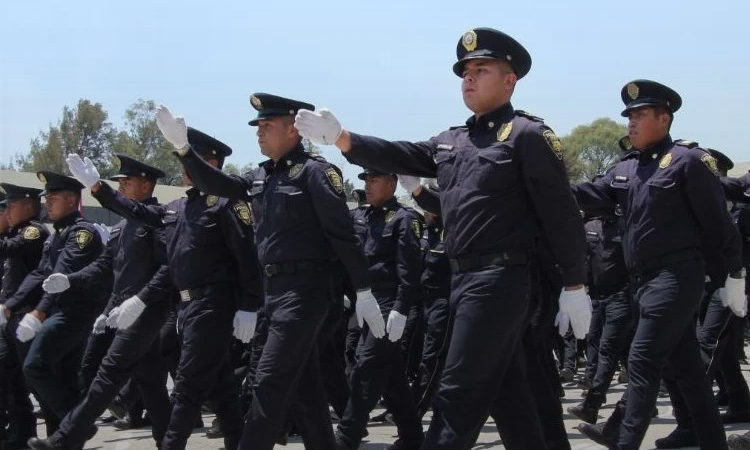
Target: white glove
(57, 282)
(368, 311)
(112, 317)
(103, 232)
(3, 319)
(244, 325)
(575, 310)
(173, 128)
(320, 127)
(409, 183)
(83, 170)
(130, 310)
(733, 295)
(347, 302)
(395, 326)
(28, 328)
(99, 324)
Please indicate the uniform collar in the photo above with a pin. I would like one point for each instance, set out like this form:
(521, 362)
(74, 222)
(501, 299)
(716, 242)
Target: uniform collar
(23, 224)
(389, 205)
(67, 221)
(492, 119)
(193, 192)
(654, 152)
(297, 154)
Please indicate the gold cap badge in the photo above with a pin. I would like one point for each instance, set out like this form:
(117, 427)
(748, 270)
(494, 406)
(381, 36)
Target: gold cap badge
(255, 101)
(633, 90)
(469, 40)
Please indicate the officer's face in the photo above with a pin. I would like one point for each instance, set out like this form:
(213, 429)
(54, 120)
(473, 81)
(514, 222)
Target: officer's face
(136, 188)
(19, 211)
(646, 127)
(379, 188)
(487, 84)
(276, 136)
(60, 204)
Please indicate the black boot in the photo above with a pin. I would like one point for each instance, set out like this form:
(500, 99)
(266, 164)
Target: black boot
(678, 438)
(585, 412)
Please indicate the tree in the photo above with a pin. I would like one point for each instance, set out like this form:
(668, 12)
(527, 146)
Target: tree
(142, 140)
(234, 169)
(83, 130)
(591, 149)
(310, 147)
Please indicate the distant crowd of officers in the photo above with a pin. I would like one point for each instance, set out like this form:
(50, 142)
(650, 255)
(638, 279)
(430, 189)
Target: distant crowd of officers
(271, 304)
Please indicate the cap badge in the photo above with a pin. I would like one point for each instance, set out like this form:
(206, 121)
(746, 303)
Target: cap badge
(633, 91)
(255, 101)
(469, 40)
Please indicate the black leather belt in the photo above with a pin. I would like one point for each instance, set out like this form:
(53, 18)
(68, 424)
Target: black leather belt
(187, 295)
(294, 267)
(509, 258)
(641, 266)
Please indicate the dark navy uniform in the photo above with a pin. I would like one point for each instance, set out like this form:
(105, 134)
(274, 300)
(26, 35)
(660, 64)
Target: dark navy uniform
(213, 264)
(136, 256)
(502, 183)
(20, 249)
(52, 363)
(302, 226)
(390, 236)
(673, 206)
(609, 286)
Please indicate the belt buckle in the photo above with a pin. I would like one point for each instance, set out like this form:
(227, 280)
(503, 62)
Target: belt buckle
(185, 295)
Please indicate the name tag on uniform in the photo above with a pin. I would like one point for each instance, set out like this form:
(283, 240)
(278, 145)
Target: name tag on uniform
(445, 147)
(621, 178)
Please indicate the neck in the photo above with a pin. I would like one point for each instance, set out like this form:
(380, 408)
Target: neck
(278, 156)
(653, 142)
(483, 112)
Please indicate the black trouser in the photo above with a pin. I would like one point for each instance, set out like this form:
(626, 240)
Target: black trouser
(332, 365)
(204, 372)
(15, 394)
(412, 341)
(289, 367)
(379, 371)
(438, 324)
(491, 314)
(134, 352)
(96, 349)
(353, 333)
(592, 339)
(729, 366)
(668, 301)
(618, 311)
(54, 358)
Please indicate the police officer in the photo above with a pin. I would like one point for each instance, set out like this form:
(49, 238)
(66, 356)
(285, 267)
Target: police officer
(609, 285)
(502, 183)
(136, 256)
(60, 323)
(21, 248)
(212, 262)
(673, 206)
(302, 228)
(390, 235)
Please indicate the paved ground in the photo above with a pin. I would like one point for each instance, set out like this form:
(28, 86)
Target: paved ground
(382, 435)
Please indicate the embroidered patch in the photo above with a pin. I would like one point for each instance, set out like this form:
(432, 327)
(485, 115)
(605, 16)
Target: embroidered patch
(554, 142)
(243, 212)
(83, 237)
(31, 233)
(710, 162)
(417, 228)
(335, 179)
(211, 200)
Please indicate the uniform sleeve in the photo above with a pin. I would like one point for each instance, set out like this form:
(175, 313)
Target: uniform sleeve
(91, 274)
(130, 209)
(428, 200)
(408, 158)
(213, 181)
(558, 214)
(30, 241)
(74, 256)
(238, 231)
(408, 263)
(334, 218)
(706, 198)
(26, 294)
(736, 189)
(160, 285)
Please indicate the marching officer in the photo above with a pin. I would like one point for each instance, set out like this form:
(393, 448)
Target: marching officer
(212, 262)
(303, 232)
(21, 249)
(673, 206)
(502, 183)
(138, 307)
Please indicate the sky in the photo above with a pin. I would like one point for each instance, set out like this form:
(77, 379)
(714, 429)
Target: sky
(383, 67)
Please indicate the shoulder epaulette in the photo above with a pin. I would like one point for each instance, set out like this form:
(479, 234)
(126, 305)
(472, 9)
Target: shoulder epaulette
(686, 143)
(527, 115)
(457, 127)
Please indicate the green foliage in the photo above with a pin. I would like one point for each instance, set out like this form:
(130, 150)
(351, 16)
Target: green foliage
(234, 169)
(591, 149)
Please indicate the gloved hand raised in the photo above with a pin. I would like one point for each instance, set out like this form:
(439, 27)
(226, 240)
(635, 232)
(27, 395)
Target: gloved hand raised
(320, 127)
(173, 128)
(83, 170)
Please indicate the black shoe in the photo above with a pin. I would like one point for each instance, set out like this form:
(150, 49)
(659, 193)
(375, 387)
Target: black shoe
(584, 383)
(595, 433)
(118, 408)
(584, 412)
(214, 432)
(735, 416)
(623, 378)
(678, 438)
(738, 442)
(380, 418)
(567, 376)
(123, 424)
(339, 444)
(44, 444)
(109, 419)
(401, 444)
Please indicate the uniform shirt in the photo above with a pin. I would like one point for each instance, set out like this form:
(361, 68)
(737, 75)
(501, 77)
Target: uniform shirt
(501, 179)
(390, 237)
(737, 189)
(136, 256)
(741, 218)
(607, 271)
(74, 245)
(672, 201)
(208, 240)
(22, 250)
(299, 208)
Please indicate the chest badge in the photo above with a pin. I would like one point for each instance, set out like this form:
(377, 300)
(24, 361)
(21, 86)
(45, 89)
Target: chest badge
(211, 200)
(389, 216)
(295, 170)
(31, 233)
(666, 160)
(504, 131)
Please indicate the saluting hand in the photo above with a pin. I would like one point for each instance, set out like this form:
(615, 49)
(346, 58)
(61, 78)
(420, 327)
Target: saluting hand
(83, 170)
(319, 127)
(173, 128)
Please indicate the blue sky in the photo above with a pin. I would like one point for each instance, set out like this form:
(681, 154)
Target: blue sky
(383, 67)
